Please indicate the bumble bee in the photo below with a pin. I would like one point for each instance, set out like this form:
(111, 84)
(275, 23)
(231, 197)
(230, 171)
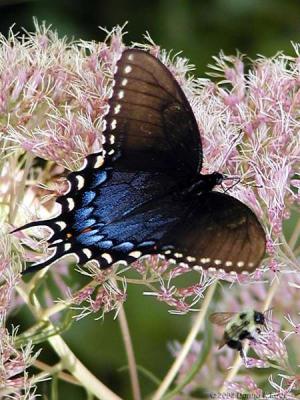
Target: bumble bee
(239, 326)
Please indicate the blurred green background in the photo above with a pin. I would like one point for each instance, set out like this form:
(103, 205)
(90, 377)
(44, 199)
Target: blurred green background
(200, 29)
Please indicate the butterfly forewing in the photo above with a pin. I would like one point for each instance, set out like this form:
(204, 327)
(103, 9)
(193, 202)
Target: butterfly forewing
(150, 124)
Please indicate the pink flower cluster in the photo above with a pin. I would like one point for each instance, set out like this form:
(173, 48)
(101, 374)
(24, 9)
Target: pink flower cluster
(14, 361)
(53, 97)
(55, 93)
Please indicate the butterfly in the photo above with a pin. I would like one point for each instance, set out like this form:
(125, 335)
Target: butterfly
(144, 193)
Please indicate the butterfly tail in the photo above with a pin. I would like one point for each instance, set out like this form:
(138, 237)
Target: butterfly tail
(59, 251)
(48, 223)
(56, 225)
(36, 267)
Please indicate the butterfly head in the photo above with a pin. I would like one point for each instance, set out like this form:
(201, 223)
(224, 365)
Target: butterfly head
(205, 183)
(216, 178)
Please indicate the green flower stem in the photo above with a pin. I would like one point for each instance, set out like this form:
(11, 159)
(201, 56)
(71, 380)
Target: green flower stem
(195, 369)
(80, 372)
(289, 251)
(130, 354)
(234, 369)
(187, 345)
(52, 370)
(271, 294)
(68, 358)
(136, 391)
(295, 235)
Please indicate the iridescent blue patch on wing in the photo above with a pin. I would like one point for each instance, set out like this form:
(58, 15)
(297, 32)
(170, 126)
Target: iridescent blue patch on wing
(89, 238)
(124, 247)
(146, 244)
(87, 197)
(98, 178)
(106, 244)
(83, 213)
(81, 225)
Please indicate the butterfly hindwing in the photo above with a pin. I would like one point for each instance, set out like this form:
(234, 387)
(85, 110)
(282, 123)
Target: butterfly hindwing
(117, 216)
(220, 233)
(132, 214)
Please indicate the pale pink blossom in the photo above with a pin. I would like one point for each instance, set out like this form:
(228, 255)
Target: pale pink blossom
(295, 326)
(245, 385)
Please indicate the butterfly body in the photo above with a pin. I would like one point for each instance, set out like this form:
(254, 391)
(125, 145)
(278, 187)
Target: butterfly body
(144, 193)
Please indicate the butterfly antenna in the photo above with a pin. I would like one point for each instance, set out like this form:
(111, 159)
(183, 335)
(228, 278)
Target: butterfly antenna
(237, 180)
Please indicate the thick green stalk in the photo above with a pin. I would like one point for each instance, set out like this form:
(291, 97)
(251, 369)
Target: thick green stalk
(187, 345)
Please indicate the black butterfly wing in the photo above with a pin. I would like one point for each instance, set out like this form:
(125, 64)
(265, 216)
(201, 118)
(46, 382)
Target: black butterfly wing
(150, 125)
(210, 231)
(219, 233)
(116, 215)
